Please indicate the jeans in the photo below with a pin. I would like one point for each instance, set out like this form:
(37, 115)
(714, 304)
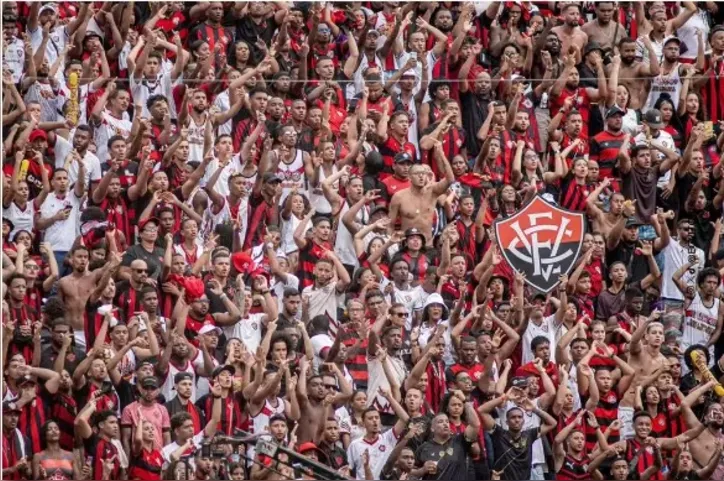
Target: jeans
(536, 472)
(59, 258)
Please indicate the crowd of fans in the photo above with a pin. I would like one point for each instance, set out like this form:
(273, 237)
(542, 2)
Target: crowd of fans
(277, 218)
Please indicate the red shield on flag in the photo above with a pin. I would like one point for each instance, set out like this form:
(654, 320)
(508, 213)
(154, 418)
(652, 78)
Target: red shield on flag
(541, 240)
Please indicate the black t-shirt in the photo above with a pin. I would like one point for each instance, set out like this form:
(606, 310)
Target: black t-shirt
(513, 456)
(636, 265)
(154, 259)
(73, 357)
(452, 458)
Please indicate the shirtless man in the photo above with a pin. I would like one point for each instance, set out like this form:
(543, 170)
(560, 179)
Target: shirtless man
(416, 205)
(645, 359)
(603, 222)
(570, 33)
(76, 288)
(603, 29)
(311, 403)
(709, 442)
(632, 71)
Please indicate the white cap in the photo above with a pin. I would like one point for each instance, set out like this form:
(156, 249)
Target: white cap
(207, 328)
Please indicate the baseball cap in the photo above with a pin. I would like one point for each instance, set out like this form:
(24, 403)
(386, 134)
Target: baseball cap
(38, 134)
(10, 406)
(150, 382)
(45, 8)
(145, 362)
(207, 328)
(591, 47)
(378, 208)
(142, 224)
(224, 367)
(278, 417)
(403, 157)
(615, 110)
(308, 446)
(653, 118)
(182, 376)
(413, 231)
(633, 222)
(672, 38)
(270, 177)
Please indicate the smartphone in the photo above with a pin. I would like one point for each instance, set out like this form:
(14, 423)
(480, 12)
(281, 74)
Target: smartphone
(413, 55)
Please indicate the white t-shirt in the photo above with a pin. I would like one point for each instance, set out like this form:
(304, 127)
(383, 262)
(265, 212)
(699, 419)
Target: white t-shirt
(546, 329)
(320, 342)
(379, 452)
(14, 58)
(248, 330)
(142, 89)
(90, 161)
(109, 127)
(278, 289)
(56, 42)
(676, 256)
(411, 298)
(21, 219)
(169, 449)
(62, 233)
(222, 184)
(324, 301)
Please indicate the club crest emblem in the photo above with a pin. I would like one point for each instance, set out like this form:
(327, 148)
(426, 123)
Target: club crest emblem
(542, 240)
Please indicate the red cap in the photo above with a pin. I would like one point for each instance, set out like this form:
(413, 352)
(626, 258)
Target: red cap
(142, 224)
(242, 262)
(308, 446)
(38, 134)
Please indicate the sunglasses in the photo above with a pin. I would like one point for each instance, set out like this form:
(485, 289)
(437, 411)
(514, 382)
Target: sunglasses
(140, 271)
(401, 314)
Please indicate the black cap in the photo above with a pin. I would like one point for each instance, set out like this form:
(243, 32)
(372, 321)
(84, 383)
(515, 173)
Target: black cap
(402, 158)
(182, 376)
(413, 231)
(224, 367)
(633, 222)
(150, 382)
(270, 177)
(145, 362)
(592, 46)
(653, 118)
(10, 406)
(519, 381)
(378, 208)
(615, 110)
(278, 417)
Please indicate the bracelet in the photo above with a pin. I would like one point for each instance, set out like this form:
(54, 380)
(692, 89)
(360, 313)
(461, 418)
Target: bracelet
(264, 293)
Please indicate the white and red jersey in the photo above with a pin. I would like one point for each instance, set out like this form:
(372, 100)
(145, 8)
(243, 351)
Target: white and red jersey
(379, 452)
(292, 175)
(109, 127)
(168, 387)
(260, 421)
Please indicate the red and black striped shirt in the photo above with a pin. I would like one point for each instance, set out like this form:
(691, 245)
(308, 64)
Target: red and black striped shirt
(646, 457)
(606, 412)
(574, 195)
(97, 451)
(604, 149)
(308, 258)
(63, 410)
(574, 469)
(146, 465)
(713, 92)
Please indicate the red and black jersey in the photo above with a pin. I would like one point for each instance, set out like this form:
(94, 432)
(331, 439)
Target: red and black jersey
(127, 173)
(231, 415)
(604, 149)
(392, 147)
(261, 214)
(468, 243)
(581, 102)
(452, 143)
(308, 258)
(32, 174)
(213, 36)
(63, 409)
(436, 385)
(646, 457)
(713, 92)
(98, 450)
(121, 214)
(31, 420)
(193, 326)
(508, 140)
(674, 418)
(127, 298)
(606, 412)
(357, 364)
(146, 465)
(93, 320)
(574, 195)
(574, 469)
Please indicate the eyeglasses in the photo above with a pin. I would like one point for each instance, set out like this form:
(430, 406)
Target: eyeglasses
(32, 268)
(150, 230)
